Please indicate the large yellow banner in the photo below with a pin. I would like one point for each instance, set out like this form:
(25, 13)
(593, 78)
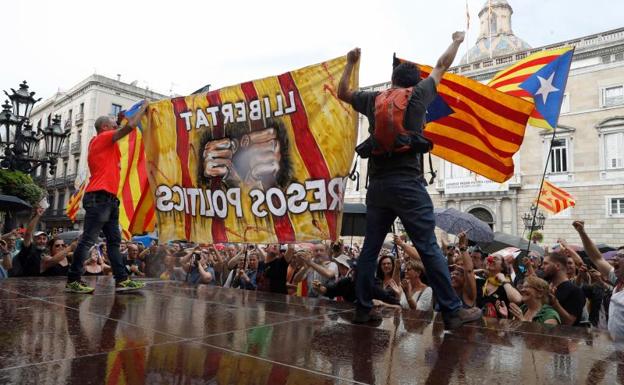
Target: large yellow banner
(261, 162)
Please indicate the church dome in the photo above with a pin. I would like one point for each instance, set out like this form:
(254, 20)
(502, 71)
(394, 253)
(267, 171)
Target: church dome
(496, 37)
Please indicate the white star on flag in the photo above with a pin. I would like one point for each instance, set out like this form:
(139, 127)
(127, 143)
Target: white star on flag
(546, 87)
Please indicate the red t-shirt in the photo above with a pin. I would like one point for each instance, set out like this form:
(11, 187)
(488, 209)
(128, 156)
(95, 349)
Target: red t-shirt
(104, 158)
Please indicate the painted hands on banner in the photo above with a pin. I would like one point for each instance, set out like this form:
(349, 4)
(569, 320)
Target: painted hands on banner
(250, 159)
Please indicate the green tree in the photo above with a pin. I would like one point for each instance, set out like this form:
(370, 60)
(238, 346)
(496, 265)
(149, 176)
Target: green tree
(20, 185)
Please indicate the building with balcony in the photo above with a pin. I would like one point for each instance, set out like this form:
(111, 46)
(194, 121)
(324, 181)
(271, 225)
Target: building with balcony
(587, 158)
(79, 107)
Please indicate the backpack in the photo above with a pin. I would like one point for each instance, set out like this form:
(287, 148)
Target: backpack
(390, 135)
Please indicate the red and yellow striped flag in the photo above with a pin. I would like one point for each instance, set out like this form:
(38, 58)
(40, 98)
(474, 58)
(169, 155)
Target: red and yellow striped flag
(136, 209)
(555, 199)
(509, 79)
(75, 201)
(484, 130)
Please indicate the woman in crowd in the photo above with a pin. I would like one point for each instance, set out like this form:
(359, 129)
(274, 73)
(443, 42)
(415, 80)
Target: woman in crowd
(388, 276)
(415, 295)
(56, 263)
(535, 307)
(95, 265)
(498, 291)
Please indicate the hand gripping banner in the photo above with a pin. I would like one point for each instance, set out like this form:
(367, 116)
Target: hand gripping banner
(261, 162)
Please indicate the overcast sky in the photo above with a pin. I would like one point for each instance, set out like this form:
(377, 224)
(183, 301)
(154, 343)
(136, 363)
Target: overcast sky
(180, 45)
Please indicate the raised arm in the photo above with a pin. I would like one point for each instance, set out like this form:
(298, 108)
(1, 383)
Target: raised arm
(345, 93)
(411, 251)
(591, 250)
(30, 228)
(470, 283)
(446, 60)
(133, 121)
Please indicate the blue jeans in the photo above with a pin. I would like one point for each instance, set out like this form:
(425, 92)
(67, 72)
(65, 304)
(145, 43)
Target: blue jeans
(102, 214)
(406, 198)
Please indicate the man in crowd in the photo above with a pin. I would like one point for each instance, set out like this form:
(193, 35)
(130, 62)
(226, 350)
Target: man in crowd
(397, 186)
(101, 204)
(566, 298)
(274, 268)
(319, 268)
(34, 245)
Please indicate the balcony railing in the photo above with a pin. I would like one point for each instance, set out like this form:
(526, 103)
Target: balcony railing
(65, 150)
(59, 182)
(75, 147)
(70, 179)
(68, 123)
(79, 118)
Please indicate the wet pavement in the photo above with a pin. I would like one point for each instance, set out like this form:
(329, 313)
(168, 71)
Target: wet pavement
(169, 333)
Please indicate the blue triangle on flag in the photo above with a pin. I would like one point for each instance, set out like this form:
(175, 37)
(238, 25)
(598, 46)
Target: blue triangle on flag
(438, 109)
(548, 86)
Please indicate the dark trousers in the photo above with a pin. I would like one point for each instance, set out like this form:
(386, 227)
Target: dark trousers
(404, 197)
(102, 214)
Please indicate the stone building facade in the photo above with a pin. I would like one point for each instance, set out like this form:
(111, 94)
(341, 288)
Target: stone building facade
(587, 158)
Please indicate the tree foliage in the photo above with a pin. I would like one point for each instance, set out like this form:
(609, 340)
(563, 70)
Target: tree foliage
(20, 185)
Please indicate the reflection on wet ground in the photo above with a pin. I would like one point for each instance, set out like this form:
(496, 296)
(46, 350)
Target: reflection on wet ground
(172, 334)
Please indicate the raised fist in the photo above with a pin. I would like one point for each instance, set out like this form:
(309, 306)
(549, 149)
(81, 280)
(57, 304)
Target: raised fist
(459, 36)
(354, 55)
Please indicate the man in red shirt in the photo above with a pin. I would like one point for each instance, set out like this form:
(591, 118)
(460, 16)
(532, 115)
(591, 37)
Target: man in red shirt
(101, 204)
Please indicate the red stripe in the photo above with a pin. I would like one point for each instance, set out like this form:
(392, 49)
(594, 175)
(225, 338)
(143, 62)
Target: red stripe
(536, 115)
(542, 60)
(520, 93)
(556, 189)
(490, 128)
(126, 192)
(546, 205)
(484, 101)
(182, 148)
(146, 218)
(306, 144)
(219, 235)
(476, 154)
(514, 80)
(466, 127)
(282, 225)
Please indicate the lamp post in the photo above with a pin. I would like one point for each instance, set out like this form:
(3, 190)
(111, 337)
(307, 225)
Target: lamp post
(530, 223)
(19, 144)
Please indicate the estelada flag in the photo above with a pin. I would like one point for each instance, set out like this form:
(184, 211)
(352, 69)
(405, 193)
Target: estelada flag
(264, 161)
(555, 199)
(510, 80)
(475, 126)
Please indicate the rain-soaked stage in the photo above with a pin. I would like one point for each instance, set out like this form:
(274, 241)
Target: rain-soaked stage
(172, 334)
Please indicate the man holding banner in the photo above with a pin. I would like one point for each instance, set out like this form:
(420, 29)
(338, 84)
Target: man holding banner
(396, 118)
(101, 204)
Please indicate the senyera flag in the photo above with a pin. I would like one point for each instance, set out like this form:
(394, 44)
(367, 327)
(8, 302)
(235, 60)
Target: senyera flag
(555, 199)
(263, 161)
(510, 80)
(475, 126)
(136, 209)
(75, 201)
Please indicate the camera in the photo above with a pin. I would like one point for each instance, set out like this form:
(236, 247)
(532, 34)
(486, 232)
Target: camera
(195, 259)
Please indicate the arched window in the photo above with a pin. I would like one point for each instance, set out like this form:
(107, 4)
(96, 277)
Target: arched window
(484, 215)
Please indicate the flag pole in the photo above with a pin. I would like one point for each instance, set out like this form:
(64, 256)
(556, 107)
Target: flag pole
(539, 191)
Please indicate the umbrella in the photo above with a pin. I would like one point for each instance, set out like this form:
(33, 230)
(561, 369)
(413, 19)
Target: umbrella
(502, 240)
(454, 222)
(13, 203)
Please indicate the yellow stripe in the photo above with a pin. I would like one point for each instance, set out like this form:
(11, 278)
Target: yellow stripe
(537, 55)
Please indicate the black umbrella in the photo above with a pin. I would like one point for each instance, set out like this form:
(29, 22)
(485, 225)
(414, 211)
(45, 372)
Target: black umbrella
(503, 240)
(13, 203)
(354, 219)
(454, 222)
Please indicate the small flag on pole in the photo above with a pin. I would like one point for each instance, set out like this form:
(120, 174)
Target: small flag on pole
(555, 199)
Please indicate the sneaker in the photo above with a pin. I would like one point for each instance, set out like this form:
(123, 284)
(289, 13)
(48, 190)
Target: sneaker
(80, 287)
(362, 317)
(129, 285)
(460, 317)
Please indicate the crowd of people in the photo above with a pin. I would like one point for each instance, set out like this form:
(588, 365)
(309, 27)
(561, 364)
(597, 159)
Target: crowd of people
(560, 287)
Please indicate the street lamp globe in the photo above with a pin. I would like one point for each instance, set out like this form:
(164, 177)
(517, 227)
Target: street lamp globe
(8, 125)
(23, 101)
(54, 137)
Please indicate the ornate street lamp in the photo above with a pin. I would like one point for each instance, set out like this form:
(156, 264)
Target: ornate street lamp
(527, 218)
(19, 144)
